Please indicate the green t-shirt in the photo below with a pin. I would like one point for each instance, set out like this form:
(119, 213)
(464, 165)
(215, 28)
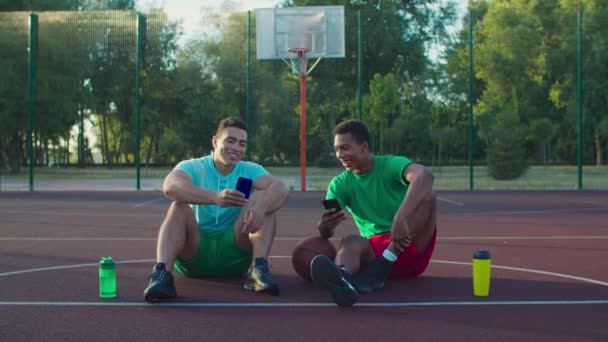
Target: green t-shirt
(372, 198)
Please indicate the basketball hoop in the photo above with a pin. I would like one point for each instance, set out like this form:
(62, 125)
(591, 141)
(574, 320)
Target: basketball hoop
(294, 34)
(298, 62)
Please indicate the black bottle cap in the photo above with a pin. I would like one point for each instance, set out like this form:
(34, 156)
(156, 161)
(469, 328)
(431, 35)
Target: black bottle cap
(481, 255)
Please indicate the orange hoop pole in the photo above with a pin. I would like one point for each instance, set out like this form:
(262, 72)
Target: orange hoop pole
(303, 123)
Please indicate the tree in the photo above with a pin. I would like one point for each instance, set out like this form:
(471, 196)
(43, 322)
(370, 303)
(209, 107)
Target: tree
(595, 72)
(506, 155)
(396, 36)
(382, 106)
(543, 131)
(13, 100)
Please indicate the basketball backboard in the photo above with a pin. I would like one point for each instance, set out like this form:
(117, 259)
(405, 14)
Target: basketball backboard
(317, 28)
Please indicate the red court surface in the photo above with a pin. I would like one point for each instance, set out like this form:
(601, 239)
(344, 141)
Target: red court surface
(549, 275)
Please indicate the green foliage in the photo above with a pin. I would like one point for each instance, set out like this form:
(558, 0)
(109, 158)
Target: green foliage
(525, 76)
(506, 155)
(543, 132)
(525, 58)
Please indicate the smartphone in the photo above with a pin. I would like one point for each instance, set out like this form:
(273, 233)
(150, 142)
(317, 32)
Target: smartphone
(332, 203)
(244, 185)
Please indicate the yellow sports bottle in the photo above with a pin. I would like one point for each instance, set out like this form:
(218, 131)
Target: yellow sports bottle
(481, 273)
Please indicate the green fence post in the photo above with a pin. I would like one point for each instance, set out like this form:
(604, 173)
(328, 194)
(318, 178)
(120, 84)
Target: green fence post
(471, 141)
(360, 64)
(249, 81)
(141, 34)
(579, 81)
(33, 54)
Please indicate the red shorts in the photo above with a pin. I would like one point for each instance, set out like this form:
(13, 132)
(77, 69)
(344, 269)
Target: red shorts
(410, 263)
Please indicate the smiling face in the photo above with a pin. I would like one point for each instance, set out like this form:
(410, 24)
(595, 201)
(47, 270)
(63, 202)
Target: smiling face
(354, 156)
(229, 148)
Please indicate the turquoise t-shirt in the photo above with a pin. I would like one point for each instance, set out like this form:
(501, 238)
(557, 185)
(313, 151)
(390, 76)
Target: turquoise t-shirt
(210, 217)
(372, 198)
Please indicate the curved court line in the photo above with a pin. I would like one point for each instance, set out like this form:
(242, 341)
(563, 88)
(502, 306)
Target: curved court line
(460, 204)
(149, 202)
(555, 274)
(42, 269)
(560, 275)
(298, 304)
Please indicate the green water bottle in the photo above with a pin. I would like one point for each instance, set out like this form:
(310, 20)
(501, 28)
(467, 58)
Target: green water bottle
(107, 277)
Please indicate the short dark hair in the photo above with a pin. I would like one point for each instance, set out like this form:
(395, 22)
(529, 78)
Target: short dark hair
(230, 122)
(356, 128)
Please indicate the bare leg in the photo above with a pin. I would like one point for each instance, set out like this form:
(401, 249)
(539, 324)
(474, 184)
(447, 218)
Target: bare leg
(261, 241)
(422, 224)
(178, 235)
(353, 252)
(259, 278)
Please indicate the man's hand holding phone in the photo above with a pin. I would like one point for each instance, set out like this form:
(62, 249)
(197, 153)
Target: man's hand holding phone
(332, 216)
(244, 185)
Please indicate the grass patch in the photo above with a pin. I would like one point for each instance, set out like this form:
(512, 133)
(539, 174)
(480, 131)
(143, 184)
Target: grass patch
(446, 177)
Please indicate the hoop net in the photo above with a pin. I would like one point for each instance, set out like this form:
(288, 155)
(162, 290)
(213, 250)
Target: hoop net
(298, 62)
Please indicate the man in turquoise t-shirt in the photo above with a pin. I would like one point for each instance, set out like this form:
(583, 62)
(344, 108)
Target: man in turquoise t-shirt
(393, 204)
(211, 229)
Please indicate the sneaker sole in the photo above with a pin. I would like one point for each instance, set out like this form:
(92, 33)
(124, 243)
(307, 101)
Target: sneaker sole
(326, 275)
(273, 291)
(152, 295)
(342, 296)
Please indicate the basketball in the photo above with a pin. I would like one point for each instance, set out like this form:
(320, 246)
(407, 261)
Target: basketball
(306, 250)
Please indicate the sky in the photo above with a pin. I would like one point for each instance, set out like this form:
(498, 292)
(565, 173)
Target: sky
(189, 11)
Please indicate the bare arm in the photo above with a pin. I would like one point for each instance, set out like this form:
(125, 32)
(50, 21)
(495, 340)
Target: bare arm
(178, 187)
(273, 196)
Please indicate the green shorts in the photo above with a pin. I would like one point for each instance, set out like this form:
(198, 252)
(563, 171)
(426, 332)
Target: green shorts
(217, 256)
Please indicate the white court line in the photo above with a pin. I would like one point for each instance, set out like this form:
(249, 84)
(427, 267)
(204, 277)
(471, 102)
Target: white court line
(299, 304)
(563, 237)
(526, 212)
(16, 238)
(42, 269)
(73, 239)
(554, 274)
(460, 204)
(451, 238)
(149, 202)
(71, 212)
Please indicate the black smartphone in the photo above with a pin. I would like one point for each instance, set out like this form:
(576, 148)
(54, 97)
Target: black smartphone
(244, 185)
(331, 203)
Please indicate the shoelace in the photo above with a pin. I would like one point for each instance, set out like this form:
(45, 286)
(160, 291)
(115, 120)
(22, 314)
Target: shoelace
(263, 266)
(264, 269)
(159, 275)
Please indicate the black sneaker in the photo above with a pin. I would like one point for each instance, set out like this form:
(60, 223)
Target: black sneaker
(360, 288)
(372, 276)
(326, 275)
(160, 285)
(259, 278)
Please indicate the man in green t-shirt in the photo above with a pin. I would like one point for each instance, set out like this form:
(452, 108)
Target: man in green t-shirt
(212, 229)
(392, 201)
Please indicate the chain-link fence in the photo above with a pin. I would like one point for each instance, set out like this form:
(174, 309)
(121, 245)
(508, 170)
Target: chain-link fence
(90, 125)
